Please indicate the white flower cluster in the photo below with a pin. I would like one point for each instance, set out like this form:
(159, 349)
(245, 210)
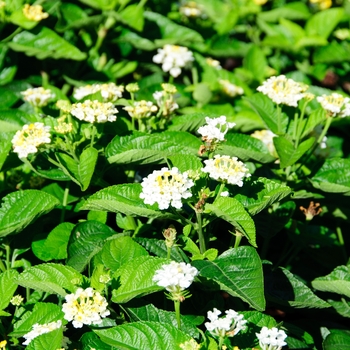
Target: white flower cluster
(141, 109)
(34, 12)
(110, 92)
(266, 136)
(191, 9)
(226, 169)
(282, 90)
(271, 339)
(228, 325)
(215, 129)
(173, 58)
(39, 329)
(85, 307)
(27, 140)
(165, 99)
(230, 89)
(175, 277)
(166, 187)
(94, 111)
(37, 97)
(335, 104)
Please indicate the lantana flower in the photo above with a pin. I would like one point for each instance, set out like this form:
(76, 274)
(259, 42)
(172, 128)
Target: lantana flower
(34, 12)
(37, 97)
(141, 109)
(110, 92)
(335, 104)
(282, 90)
(213, 63)
(266, 137)
(94, 111)
(27, 140)
(230, 89)
(85, 307)
(165, 99)
(215, 129)
(38, 329)
(191, 9)
(226, 169)
(173, 58)
(271, 339)
(229, 325)
(166, 187)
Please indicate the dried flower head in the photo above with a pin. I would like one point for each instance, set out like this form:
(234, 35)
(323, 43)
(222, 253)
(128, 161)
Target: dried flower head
(230, 89)
(94, 111)
(85, 307)
(29, 138)
(226, 169)
(141, 109)
(170, 236)
(38, 329)
(166, 187)
(282, 90)
(266, 136)
(34, 12)
(335, 104)
(271, 339)
(37, 97)
(173, 58)
(313, 210)
(215, 129)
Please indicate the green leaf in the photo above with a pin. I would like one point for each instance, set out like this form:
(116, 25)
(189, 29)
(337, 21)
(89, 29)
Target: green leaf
(255, 62)
(127, 36)
(186, 163)
(170, 30)
(188, 122)
(338, 281)
(147, 149)
(119, 251)
(42, 313)
(315, 118)
(342, 307)
(55, 245)
(293, 11)
(245, 148)
(21, 208)
(135, 278)
(259, 193)
(288, 154)
(86, 241)
(45, 43)
(90, 341)
(336, 340)
(123, 198)
(8, 287)
(50, 278)
(265, 108)
(7, 98)
(333, 176)
(333, 53)
(47, 341)
(133, 16)
(80, 172)
(144, 335)
(284, 288)
(103, 4)
(5, 146)
(232, 211)
(324, 22)
(238, 271)
(57, 191)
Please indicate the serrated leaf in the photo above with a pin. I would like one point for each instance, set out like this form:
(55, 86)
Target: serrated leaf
(86, 241)
(232, 211)
(119, 251)
(238, 271)
(188, 122)
(259, 193)
(147, 149)
(293, 11)
(5, 146)
(288, 154)
(21, 208)
(336, 340)
(245, 147)
(255, 62)
(123, 198)
(143, 336)
(8, 287)
(133, 16)
(55, 245)
(90, 341)
(135, 278)
(45, 43)
(47, 341)
(284, 288)
(50, 278)
(342, 307)
(338, 281)
(186, 163)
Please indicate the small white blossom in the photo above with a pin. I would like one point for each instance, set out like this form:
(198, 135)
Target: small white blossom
(38, 329)
(141, 109)
(110, 92)
(282, 90)
(228, 325)
(215, 129)
(16, 300)
(191, 9)
(166, 187)
(335, 104)
(29, 138)
(94, 111)
(271, 339)
(226, 169)
(85, 307)
(213, 63)
(230, 89)
(34, 12)
(175, 277)
(266, 136)
(37, 97)
(165, 99)
(225, 194)
(173, 58)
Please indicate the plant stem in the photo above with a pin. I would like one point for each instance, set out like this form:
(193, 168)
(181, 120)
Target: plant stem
(201, 238)
(65, 201)
(279, 125)
(238, 239)
(341, 242)
(8, 256)
(221, 342)
(177, 312)
(222, 186)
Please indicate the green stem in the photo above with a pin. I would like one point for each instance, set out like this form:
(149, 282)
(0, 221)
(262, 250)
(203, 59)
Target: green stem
(177, 312)
(325, 129)
(27, 294)
(168, 256)
(299, 129)
(279, 122)
(341, 242)
(238, 239)
(93, 132)
(8, 256)
(65, 201)
(201, 238)
(222, 186)
(10, 37)
(221, 342)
